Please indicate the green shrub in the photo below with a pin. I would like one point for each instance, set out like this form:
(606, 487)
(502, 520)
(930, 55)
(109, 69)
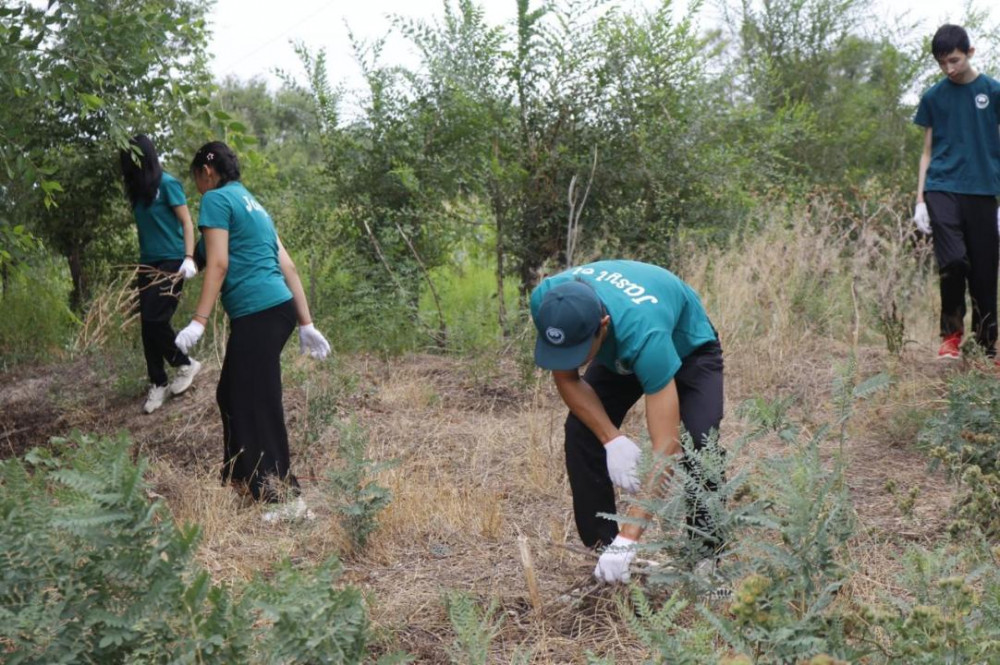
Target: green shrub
(92, 572)
(309, 619)
(787, 534)
(965, 439)
(475, 629)
(949, 611)
(35, 319)
(670, 642)
(468, 296)
(358, 499)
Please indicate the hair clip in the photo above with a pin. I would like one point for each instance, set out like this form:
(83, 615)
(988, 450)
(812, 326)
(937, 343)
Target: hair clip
(210, 156)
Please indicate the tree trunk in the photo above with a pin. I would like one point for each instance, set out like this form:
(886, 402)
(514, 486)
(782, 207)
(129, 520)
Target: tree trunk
(80, 286)
(501, 304)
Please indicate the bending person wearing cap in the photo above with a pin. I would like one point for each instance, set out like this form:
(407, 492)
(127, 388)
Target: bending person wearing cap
(643, 332)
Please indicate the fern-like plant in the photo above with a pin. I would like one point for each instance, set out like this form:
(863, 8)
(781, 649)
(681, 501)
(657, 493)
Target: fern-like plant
(475, 628)
(357, 498)
(92, 572)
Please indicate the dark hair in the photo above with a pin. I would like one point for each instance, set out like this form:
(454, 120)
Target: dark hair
(948, 38)
(220, 157)
(141, 170)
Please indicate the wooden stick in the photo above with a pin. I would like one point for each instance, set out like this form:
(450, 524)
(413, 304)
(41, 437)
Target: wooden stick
(529, 573)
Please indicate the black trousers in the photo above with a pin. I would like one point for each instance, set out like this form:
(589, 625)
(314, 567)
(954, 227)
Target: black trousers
(699, 387)
(966, 249)
(157, 303)
(255, 440)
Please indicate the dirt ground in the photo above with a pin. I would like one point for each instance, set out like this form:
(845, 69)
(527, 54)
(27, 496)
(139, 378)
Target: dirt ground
(478, 471)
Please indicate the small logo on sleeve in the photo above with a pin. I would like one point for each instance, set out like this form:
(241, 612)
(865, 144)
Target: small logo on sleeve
(555, 335)
(982, 101)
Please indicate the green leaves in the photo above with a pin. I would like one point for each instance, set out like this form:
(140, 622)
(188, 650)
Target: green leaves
(91, 102)
(94, 573)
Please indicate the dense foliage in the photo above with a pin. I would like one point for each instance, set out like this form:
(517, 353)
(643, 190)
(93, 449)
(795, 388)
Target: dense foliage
(95, 572)
(580, 129)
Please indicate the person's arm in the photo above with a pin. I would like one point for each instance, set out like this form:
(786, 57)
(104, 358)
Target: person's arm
(216, 267)
(584, 403)
(663, 419)
(925, 161)
(311, 341)
(184, 219)
(294, 283)
(188, 267)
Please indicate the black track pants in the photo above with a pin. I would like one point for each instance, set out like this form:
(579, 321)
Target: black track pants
(157, 304)
(699, 387)
(249, 396)
(966, 249)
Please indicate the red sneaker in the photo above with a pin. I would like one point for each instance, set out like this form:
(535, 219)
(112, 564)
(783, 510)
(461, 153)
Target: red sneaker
(949, 349)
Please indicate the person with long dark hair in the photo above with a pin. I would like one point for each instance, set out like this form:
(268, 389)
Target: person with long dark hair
(166, 249)
(261, 292)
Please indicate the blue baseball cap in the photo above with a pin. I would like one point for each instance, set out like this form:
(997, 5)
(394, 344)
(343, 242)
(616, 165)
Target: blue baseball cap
(567, 319)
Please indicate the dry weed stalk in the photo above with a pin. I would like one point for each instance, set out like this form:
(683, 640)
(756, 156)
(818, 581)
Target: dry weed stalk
(115, 307)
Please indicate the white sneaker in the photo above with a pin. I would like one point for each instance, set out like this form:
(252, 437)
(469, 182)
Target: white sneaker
(185, 375)
(290, 511)
(155, 399)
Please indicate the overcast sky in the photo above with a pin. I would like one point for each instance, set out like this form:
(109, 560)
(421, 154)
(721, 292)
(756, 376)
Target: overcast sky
(252, 37)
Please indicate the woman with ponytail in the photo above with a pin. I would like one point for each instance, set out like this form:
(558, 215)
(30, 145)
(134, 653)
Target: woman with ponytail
(166, 248)
(262, 294)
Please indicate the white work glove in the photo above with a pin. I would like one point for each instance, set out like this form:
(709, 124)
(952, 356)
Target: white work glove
(922, 219)
(188, 269)
(623, 455)
(187, 338)
(613, 565)
(311, 341)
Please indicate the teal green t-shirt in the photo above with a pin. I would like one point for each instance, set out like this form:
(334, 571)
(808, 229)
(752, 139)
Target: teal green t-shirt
(254, 281)
(965, 136)
(161, 236)
(656, 319)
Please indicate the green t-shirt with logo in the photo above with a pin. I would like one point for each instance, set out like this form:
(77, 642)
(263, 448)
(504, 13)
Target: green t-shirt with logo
(965, 136)
(254, 281)
(161, 236)
(656, 319)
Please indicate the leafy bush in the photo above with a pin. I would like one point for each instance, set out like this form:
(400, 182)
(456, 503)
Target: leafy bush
(949, 614)
(787, 534)
(359, 499)
(670, 641)
(965, 439)
(35, 319)
(468, 292)
(311, 621)
(475, 629)
(92, 572)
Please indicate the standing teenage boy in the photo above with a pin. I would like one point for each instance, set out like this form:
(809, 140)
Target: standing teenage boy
(958, 181)
(648, 335)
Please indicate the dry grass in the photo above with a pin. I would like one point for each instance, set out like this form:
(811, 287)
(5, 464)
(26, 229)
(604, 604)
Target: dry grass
(481, 463)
